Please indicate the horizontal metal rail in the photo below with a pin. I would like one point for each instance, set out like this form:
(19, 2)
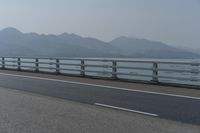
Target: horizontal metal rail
(110, 60)
(114, 68)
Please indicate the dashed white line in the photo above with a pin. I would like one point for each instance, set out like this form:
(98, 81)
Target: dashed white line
(103, 86)
(124, 109)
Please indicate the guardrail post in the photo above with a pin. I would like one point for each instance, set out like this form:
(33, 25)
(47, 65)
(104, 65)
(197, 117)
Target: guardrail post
(36, 65)
(194, 72)
(57, 66)
(82, 68)
(19, 64)
(114, 69)
(155, 72)
(3, 63)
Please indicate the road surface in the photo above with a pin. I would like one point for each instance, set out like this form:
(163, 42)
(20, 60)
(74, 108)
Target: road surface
(181, 108)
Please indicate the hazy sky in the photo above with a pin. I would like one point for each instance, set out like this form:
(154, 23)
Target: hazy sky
(176, 22)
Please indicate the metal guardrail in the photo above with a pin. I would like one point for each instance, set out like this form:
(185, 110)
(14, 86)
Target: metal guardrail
(60, 64)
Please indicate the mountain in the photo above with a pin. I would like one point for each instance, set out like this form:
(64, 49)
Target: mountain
(194, 50)
(15, 43)
(143, 48)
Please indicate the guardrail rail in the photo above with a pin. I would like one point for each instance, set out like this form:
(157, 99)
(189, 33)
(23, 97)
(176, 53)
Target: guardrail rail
(157, 71)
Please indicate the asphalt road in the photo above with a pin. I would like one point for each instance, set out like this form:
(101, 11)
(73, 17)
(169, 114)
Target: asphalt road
(182, 109)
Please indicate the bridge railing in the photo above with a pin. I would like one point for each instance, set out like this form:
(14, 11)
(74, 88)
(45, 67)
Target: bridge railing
(181, 72)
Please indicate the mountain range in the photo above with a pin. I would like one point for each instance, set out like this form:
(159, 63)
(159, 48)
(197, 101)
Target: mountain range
(15, 43)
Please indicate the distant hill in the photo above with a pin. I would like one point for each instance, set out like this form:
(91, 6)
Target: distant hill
(15, 43)
(193, 50)
(143, 48)
(197, 50)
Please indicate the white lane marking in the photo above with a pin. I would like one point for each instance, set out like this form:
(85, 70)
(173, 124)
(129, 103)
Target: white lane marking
(102, 86)
(124, 109)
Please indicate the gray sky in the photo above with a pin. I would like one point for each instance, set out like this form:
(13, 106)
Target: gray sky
(176, 22)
